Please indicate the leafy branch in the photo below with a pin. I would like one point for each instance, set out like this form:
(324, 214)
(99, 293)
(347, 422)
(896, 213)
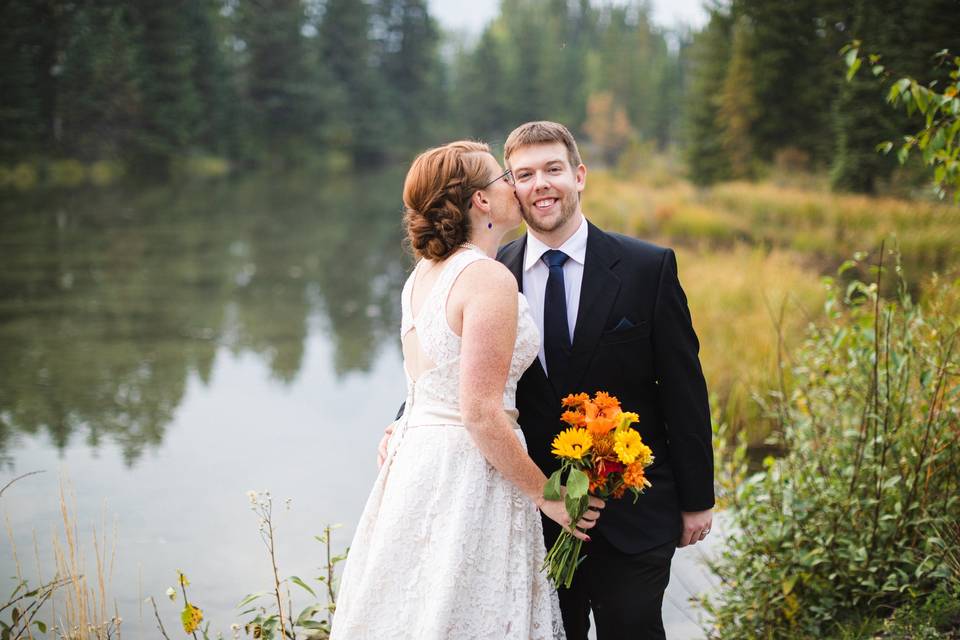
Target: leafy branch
(938, 141)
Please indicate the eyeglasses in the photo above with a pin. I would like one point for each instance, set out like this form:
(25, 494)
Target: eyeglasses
(507, 176)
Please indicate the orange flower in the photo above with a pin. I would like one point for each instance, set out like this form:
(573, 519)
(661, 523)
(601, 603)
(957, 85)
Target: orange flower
(607, 403)
(603, 444)
(635, 477)
(596, 482)
(619, 491)
(575, 401)
(573, 418)
(590, 410)
(600, 425)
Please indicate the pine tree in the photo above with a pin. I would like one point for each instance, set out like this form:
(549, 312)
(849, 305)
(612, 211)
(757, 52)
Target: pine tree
(171, 106)
(347, 50)
(411, 70)
(707, 158)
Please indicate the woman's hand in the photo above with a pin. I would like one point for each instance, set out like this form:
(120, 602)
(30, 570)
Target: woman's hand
(384, 441)
(556, 511)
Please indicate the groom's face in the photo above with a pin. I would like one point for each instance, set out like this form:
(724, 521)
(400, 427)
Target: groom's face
(548, 188)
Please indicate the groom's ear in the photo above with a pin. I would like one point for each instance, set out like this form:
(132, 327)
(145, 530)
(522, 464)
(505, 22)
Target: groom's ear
(580, 173)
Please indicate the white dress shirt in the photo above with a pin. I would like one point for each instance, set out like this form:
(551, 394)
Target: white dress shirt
(535, 274)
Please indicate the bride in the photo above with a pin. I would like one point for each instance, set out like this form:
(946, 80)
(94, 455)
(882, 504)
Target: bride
(450, 542)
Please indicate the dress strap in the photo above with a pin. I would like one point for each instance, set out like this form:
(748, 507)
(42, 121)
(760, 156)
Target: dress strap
(450, 274)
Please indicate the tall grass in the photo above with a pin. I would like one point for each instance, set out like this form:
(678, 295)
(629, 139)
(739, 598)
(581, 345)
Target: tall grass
(750, 253)
(82, 610)
(825, 227)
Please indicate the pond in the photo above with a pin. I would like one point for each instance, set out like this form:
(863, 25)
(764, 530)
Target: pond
(165, 350)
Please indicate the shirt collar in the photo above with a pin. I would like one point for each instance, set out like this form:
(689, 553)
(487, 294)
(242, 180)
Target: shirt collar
(575, 247)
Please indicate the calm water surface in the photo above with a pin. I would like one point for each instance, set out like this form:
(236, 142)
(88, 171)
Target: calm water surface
(167, 350)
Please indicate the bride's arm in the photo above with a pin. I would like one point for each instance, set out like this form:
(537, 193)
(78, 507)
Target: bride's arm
(487, 294)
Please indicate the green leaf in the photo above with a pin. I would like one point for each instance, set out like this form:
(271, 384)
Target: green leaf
(877, 69)
(576, 507)
(851, 57)
(300, 583)
(921, 95)
(885, 147)
(788, 584)
(577, 484)
(250, 598)
(903, 153)
(308, 614)
(852, 71)
(551, 491)
(42, 626)
(894, 92)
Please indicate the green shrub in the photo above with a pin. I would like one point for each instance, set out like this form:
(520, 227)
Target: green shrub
(847, 526)
(67, 173)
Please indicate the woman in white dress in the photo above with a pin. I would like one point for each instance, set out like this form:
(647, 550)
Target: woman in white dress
(450, 542)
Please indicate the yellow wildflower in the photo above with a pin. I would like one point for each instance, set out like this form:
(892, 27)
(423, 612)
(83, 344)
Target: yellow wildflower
(629, 446)
(572, 443)
(191, 617)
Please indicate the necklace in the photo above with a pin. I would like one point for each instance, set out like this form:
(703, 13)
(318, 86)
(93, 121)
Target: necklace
(470, 245)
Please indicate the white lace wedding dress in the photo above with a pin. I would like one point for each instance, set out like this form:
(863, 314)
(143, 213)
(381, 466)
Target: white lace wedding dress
(447, 548)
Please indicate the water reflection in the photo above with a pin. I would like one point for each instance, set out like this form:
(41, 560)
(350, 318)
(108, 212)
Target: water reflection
(109, 302)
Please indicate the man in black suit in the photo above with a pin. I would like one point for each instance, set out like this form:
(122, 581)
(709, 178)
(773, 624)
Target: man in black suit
(614, 318)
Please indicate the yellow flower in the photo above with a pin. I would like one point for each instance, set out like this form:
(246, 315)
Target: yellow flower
(627, 418)
(572, 443)
(629, 446)
(191, 617)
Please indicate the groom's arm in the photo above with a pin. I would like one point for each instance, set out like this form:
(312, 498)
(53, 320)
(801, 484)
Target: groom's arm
(683, 391)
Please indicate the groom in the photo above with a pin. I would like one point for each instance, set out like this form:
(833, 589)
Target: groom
(613, 318)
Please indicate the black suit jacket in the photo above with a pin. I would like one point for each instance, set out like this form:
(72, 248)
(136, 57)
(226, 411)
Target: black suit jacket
(634, 339)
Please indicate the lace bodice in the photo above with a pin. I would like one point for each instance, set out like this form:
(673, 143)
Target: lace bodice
(441, 384)
(447, 547)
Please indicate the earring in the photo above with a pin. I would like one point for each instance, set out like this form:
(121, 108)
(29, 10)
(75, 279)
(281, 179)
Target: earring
(489, 222)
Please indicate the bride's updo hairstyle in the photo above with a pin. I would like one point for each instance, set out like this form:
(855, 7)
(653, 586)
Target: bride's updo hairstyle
(436, 196)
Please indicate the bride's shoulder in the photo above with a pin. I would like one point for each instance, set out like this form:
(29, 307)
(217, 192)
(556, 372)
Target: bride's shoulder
(490, 277)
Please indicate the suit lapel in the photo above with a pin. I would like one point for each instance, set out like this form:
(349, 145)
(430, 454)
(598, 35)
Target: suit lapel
(512, 257)
(598, 292)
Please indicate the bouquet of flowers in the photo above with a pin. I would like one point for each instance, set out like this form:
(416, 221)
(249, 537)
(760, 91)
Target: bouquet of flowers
(600, 455)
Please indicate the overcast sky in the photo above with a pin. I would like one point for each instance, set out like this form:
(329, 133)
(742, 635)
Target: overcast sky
(472, 15)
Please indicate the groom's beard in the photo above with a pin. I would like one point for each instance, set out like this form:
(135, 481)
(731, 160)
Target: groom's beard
(568, 207)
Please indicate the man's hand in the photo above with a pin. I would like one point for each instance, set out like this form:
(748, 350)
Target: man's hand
(696, 526)
(382, 449)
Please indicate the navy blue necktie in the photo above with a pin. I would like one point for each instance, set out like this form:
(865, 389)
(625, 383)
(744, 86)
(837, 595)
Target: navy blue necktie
(556, 333)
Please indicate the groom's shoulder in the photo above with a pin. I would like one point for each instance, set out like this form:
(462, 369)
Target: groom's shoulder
(511, 247)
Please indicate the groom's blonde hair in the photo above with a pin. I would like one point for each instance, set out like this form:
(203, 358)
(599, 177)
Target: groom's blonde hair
(542, 132)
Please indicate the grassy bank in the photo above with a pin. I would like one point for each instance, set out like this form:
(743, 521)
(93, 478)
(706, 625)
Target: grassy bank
(753, 253)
